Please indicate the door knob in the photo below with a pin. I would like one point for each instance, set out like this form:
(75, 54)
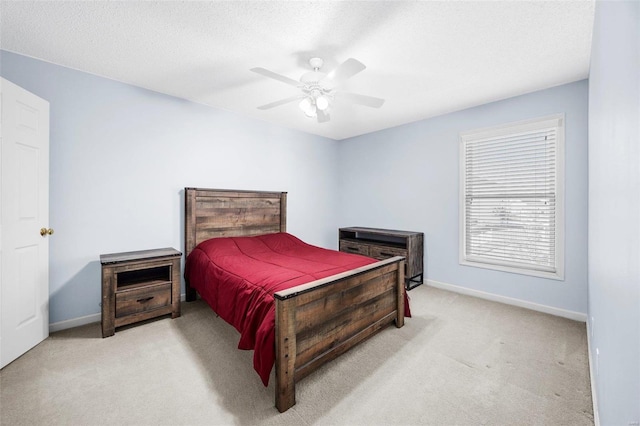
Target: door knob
(44, 231)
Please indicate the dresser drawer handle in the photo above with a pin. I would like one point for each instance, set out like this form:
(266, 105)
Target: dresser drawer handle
(353, 249)
(144, 299)
(386, 254)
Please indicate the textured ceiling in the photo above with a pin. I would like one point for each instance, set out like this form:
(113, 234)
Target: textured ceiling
(425, 58)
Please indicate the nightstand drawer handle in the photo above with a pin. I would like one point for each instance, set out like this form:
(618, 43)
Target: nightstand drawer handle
(386, 254)
(145, 299)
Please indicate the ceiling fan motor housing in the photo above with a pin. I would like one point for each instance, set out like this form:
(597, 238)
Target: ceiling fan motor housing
(316, 63)
(316, 80)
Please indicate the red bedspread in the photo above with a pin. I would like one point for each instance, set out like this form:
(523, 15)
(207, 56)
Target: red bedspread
(237, 277)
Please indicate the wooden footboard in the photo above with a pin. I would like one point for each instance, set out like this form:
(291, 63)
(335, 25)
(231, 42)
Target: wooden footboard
(318, 321)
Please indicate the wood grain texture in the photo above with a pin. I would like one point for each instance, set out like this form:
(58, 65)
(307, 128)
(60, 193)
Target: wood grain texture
(335, 313)
(142, 299)
(386, 243)
(285, 355)
(214, 213)
(400, 289)
(108, 302)
(137, 286)
(317, 321)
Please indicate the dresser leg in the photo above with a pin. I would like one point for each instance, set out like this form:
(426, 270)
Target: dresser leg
(108, 331)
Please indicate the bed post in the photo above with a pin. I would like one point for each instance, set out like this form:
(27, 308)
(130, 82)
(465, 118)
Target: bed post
(190, 294)
(285, 354)
(189, 236)
(400, 299)
(283, 212)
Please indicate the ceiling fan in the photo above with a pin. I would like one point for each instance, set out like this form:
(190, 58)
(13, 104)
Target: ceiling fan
(319, 89)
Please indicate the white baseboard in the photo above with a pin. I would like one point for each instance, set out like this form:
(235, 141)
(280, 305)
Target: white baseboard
(77, 322)
(592, 371)
(576, 316)
(74, 322)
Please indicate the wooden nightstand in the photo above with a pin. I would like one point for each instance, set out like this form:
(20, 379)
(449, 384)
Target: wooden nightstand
(139, 285)
(385, 243)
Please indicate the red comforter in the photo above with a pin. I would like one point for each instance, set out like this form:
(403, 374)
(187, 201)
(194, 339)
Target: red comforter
(237, 277)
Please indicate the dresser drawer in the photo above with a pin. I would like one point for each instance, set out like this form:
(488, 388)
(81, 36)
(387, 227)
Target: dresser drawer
(383, 244)
(381, 252)
(129, 302)
(351, 247)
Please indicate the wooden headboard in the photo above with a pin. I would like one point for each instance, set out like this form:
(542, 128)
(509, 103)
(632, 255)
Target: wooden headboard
(211, 213)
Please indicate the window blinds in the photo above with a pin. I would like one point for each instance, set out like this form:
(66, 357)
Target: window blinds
(510, 196)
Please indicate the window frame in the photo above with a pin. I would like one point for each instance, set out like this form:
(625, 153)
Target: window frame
(557, 121)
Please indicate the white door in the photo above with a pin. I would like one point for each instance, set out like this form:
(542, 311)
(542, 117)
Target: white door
(24, 211)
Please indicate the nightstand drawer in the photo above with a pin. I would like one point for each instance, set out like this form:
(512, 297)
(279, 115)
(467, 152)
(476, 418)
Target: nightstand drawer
(380, 253)
(349, 247)
(142, 299)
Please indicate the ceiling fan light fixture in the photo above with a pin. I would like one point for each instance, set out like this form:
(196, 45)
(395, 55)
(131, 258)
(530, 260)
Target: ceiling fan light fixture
(308, 106)
(322, 102)
(311, 113)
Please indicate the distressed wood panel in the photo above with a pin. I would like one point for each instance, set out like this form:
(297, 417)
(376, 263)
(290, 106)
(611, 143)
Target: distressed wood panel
(338, 329)
(385, 243)
(241, 231)
(351, 247)
(285, 355)
(214, 213)
(323, 287)
(325, 357)
(332, 335)
(142, 299)
(231, 217)
(311, 314)
(204, 203)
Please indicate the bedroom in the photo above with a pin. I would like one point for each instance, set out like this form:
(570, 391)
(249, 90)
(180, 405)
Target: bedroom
(121, 154)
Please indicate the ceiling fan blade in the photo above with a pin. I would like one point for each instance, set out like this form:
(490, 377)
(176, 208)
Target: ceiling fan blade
(323, 117)
(346, 70)
(369, 101)
(276, 76)
(280, 102)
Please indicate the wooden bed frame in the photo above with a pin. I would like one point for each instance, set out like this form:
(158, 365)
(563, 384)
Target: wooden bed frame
(317, 321)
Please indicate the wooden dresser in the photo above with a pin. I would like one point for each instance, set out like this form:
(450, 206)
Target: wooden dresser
(385, 243)
(139, 285)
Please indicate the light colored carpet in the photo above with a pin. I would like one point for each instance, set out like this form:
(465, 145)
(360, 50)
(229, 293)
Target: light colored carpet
(459, 360)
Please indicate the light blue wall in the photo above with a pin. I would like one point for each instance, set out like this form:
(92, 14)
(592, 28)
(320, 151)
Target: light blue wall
(614, 211)
(407, 178)
(121, 156)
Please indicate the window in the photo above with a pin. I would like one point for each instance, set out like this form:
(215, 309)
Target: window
(512, 197)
